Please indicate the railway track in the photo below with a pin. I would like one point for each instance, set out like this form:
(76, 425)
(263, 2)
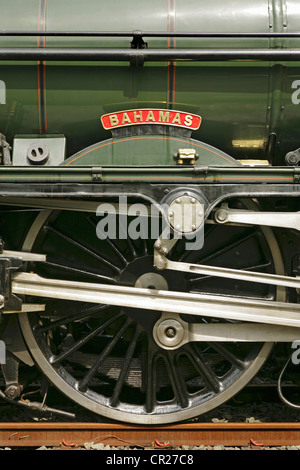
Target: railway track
(78, 435)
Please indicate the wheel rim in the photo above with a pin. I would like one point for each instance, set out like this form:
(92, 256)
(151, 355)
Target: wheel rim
(104, 358)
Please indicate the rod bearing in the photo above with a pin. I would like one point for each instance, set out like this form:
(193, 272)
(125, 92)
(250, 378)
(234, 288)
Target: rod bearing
(169, 333)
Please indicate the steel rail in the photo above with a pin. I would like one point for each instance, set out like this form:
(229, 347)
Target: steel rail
(139, 56)
(74, 435)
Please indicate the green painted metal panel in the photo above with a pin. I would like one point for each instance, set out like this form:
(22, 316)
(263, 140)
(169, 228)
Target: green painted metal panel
(241, 104)
(147, 150)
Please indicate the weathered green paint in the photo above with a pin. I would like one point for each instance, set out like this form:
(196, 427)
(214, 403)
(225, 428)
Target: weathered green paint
(241, 104)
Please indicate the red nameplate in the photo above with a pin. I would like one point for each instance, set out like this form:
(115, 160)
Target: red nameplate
(135, 117)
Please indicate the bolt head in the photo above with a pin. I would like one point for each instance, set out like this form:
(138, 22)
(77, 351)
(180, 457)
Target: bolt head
(221, 215)
(12, 391)
(170, 332)
(160, 263)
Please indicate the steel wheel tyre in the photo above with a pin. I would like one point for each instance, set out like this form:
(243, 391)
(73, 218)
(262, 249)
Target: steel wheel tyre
(104, 358)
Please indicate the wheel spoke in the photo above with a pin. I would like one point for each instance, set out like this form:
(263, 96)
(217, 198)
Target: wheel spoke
(177, 382)
(150, 373)
(71, 318)
(80, 272)
(203, 368)
(233, 359)
(125, 367)
(106, 351)
(83, 248)
(78, 344)
(228, 246)
(129, 242)
(110, 243)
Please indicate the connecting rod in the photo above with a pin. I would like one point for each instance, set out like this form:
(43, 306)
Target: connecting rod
(225, 307)
(291, 220)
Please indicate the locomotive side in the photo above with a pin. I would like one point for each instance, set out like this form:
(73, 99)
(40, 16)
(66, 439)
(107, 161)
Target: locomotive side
(149, 200)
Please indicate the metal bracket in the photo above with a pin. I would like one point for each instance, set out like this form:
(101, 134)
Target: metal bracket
(5, 148)
(10, 301)
(293, 158)
(162, 247)
(97, 174)
(14, 341)
(11, 261)
(138, 41)
(296, 178)
(185, 215)
(10, 372)
(186, 157)
(201, 170)
(38, 150)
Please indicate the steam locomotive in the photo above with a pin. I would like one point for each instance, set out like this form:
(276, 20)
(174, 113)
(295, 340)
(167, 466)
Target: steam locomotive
(149, 200)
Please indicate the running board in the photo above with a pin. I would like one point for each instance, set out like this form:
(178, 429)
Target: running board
(224, 307)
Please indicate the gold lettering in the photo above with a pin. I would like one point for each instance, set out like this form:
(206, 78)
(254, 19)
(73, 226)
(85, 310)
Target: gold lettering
(176, 119)
(188, 120)
(114, 121)
(163, 117)
(137, 116)
(150, 117)
(126, 119)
